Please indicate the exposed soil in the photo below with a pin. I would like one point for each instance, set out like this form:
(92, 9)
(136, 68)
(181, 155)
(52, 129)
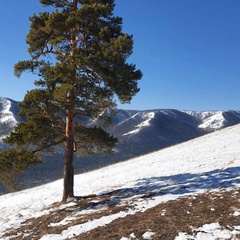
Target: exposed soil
(166, 220)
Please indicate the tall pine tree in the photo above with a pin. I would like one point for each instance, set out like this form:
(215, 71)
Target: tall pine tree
(79, 53)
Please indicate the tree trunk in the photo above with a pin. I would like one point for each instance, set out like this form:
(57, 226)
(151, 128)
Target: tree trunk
(68, 177)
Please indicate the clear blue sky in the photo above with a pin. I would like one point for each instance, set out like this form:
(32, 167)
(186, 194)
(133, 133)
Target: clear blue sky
(188, 51)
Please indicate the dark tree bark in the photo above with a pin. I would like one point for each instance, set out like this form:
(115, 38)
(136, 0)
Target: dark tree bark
(68, 174)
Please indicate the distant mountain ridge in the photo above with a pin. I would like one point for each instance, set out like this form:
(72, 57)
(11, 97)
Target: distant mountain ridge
(151, 130)
(138, 132)
(158, 128)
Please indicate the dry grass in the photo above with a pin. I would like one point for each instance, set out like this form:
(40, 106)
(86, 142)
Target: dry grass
(166, 220)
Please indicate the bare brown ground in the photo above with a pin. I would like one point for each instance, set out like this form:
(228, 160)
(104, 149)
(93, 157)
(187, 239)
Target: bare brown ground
(166, 220)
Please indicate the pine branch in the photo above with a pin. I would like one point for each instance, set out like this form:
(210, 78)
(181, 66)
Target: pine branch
(40, 149)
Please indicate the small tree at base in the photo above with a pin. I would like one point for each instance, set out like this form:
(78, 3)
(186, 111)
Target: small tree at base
(88, 69)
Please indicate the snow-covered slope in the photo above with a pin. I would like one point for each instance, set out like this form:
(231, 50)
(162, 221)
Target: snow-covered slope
(7, 116)
(208, 162)
(138, 132)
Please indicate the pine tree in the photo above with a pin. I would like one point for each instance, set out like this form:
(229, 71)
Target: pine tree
(79, 53)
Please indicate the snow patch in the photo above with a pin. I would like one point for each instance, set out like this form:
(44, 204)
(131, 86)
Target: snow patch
(209, 120)
(81, 228)
(236, 213)
(6, 116)
(215, 121)
(146, 123)
(148, 235)
(210, 231)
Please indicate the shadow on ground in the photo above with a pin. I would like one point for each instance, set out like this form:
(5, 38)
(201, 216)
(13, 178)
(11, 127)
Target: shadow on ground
(175, 185)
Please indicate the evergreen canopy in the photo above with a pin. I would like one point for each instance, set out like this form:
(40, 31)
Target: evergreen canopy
(79, 53)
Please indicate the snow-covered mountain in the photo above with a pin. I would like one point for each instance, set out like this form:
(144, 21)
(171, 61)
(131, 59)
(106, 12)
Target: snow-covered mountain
(138, 132)
(142, 132)
(8, 115)
(115, 202)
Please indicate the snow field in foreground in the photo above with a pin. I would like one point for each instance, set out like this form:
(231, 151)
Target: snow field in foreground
(208, 162)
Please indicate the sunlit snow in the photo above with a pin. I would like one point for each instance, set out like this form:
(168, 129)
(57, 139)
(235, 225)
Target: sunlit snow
(213, 120)
(145, 123)
(6, 116)
(5, 113)
(208, 162)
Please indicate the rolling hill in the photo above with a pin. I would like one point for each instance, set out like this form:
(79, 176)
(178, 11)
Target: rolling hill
(187, 191)
(138, 132)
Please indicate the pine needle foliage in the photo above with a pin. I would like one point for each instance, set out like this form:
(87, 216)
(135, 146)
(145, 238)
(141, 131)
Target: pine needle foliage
(79, 54)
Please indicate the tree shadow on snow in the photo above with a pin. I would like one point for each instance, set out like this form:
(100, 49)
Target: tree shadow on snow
(179, 184)
(190, 183)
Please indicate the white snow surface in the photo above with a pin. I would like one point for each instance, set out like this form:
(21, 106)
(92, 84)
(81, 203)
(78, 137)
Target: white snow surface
(6, 116)
(210, 120)
(210, 231)
(145, 122)
(209, 162)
